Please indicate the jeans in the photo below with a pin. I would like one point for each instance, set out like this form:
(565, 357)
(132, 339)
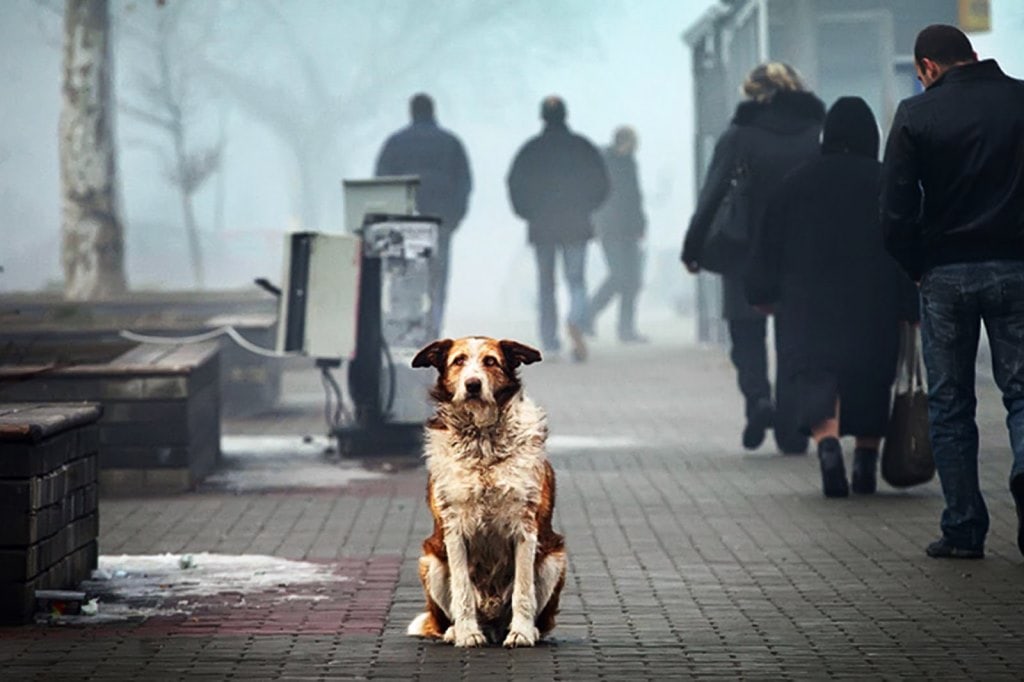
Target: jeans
(625, 260)
(574, 260)
(955, 299)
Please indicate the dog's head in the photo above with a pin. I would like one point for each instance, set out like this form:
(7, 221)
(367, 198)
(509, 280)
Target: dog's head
(476, 373)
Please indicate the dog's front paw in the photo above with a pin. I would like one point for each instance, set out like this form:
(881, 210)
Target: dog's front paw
(449, 635)
(522, 635)
(468, 635)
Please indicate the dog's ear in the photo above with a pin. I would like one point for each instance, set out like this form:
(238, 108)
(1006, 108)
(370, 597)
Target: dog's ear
(518, 353)
(434, 355)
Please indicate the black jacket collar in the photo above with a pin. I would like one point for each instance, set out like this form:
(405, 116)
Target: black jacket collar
(986, 68)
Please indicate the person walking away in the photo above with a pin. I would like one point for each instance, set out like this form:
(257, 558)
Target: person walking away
(821, 266)
(437, 156)
(620, 225)
(556, 182)
(953, 216)
(773, 130)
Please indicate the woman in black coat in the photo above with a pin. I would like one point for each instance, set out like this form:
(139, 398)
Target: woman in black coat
(772, 132)
(838, 296)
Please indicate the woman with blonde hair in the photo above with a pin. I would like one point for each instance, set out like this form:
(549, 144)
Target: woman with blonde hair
(775, 129)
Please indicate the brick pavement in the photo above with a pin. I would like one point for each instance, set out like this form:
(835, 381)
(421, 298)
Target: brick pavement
(689, 558)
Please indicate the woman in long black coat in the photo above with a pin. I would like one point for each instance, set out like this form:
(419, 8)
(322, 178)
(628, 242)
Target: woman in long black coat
(774, 130)
(837, 294)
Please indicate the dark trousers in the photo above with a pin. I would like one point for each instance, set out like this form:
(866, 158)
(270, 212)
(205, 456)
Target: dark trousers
(625, 261)
(749, 354)
(955, 300)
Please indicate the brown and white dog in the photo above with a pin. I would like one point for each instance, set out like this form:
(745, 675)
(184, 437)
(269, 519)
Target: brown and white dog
(493, 568)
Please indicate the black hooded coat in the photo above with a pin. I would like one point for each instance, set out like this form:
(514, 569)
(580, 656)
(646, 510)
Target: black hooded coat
(771, 139)
(838, 295)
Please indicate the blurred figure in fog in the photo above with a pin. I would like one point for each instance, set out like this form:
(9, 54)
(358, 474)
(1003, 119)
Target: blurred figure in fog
(953, 214)
(620, 226)
(436, 155)
(772, 132)
(837, 294)
(556, 182)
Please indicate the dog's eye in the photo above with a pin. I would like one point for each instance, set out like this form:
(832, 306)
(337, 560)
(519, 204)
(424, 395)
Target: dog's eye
(459, 361)
(490, 361)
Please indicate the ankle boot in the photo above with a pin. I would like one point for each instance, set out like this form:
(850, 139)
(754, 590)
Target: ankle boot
(865, 469)
(833, 471)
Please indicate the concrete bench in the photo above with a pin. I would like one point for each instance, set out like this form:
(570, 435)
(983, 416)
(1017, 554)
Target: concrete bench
(49, 518)
(160, 429)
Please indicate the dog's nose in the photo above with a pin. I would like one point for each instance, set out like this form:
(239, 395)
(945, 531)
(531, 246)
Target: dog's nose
(473, 386)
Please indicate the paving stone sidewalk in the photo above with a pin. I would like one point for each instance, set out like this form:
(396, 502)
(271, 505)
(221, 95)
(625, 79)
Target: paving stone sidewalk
(690, 558)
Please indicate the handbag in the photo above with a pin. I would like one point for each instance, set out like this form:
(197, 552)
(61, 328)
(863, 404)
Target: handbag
(907, 453)
(727, 241)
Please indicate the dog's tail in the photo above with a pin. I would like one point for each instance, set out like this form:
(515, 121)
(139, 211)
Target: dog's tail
(420, 626)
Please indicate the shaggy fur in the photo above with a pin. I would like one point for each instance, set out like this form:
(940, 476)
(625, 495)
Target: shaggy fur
(493, 568)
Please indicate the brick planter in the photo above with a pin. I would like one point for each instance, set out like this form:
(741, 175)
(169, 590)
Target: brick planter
(49, 519)
(160, 429)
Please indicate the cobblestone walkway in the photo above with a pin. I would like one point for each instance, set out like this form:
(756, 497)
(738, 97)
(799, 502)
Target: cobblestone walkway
(690, 559)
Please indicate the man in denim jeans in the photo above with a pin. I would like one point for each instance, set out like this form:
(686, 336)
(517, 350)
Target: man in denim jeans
(953, 215)
(557, 180)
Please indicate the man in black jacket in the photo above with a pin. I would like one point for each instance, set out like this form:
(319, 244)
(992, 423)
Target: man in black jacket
(434, 154)
(953, 216)
(556, 182)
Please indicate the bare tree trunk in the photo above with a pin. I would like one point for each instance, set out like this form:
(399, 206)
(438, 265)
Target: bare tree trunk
(92, 245)
(183, 170)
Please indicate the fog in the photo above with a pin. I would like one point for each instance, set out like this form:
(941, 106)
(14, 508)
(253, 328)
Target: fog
(242, 68)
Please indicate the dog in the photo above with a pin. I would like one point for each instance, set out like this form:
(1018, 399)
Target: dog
(494, 568)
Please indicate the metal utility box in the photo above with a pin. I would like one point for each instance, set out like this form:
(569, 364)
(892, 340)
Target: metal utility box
(395, 195)
(319, 298)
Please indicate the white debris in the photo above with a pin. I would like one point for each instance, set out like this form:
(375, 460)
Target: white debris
(91, 607)
(251, 463)
(163, 575)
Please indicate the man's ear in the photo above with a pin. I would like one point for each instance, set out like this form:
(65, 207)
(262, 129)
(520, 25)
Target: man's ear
(518, 353)
(434, 355)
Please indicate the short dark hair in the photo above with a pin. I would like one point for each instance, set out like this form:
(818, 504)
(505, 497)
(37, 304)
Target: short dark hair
(421, 106)
(552, 109)
(943, 44)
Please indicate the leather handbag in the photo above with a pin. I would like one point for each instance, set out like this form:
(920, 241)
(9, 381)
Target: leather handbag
(907, 453)
(727, 242)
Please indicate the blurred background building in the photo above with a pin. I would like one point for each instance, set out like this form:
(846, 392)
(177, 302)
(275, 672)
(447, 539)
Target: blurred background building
(840, 47)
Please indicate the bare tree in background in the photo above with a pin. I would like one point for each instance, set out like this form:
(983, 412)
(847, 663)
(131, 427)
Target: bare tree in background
(92, 239)
(388, 46)
(167, 89)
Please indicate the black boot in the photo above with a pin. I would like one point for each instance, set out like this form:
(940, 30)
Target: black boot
(759, 418)
(865, 468)
(833, 471)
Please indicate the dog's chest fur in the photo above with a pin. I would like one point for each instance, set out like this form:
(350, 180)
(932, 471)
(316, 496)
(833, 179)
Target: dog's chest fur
(487, 481)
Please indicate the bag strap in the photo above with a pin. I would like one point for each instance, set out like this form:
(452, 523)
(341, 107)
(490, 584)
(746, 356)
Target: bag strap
(915, 361)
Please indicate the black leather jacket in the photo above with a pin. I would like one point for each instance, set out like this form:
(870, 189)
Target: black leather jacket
(953, 176)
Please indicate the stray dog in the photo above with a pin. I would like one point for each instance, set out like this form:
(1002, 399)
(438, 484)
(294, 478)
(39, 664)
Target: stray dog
(493, 569)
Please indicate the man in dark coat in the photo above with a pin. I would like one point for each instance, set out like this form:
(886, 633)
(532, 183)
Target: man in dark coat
(556, 182)
(837, 294)
(953, 215)
(620, 224)
(436, 155)
(771, 133)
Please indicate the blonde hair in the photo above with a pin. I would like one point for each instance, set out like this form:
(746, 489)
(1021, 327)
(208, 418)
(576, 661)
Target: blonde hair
(769, 78)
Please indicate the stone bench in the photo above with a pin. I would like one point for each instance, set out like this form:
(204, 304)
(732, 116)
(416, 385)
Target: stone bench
(49, 518)
(250, 383)
(160, 429)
